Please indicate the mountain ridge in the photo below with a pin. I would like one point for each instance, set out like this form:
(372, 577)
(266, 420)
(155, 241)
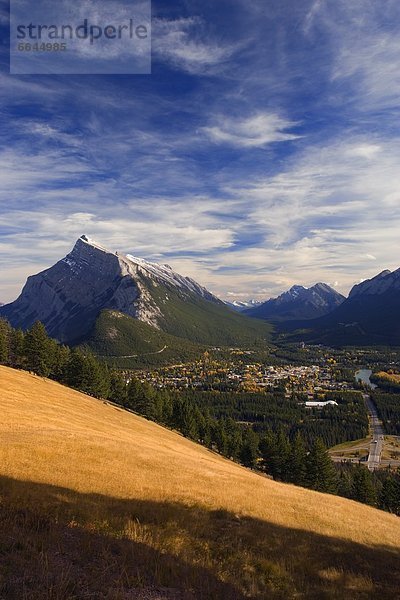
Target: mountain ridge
(369, 316)
(298, 302)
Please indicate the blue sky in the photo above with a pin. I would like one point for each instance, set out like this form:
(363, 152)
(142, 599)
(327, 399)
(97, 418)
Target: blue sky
(263, 150)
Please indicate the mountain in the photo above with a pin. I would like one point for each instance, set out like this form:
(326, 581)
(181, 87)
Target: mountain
(115, 503)
(369, 316)
(136, 344)
(69, 297)
(299, 303)
(242, 305)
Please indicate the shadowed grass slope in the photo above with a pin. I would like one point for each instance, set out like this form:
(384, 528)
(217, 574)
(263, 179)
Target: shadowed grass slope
(95, 500)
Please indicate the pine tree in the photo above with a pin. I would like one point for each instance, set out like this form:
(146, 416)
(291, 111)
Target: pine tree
(219, 437)
(141, 398)
(297, 468)
(363, 489)
(38, 350)
(345, 481)
(321, 475)
(166, 406)
(86, 374)
(206, 433)
(118, 388)
(283, 450)
(390, 494)
(185, 419)
(249, 450)
(234, 440)
(5, 333)
(269, 454)
(62, 356)
(16, 349)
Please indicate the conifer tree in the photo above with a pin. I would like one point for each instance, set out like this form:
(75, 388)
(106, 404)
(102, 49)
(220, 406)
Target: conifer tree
(249, 450)
(234, 440)
(38, 350)
(16, 348)
(118, 388)
(185, 418)
(5, 333)
(345, 481)
(390, 494)
(297, 468)
(61, 359)
(363, 489)
(269, 454)
(141, 398)
(219, 436)
(283, 451)
(321, 475)
(86, 374)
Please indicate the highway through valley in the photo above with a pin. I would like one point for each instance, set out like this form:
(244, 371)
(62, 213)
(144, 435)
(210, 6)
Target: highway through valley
(376, 446)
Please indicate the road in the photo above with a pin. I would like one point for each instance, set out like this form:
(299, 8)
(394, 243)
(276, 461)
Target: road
(376, 446)
(138, 355)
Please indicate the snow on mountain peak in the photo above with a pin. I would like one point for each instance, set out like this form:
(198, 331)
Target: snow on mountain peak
(381, 283)
(90, 242)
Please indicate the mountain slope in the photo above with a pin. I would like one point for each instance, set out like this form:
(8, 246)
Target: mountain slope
(69, 296)
(130, 343)
(369, 316)
(116, 503)
(299, 303)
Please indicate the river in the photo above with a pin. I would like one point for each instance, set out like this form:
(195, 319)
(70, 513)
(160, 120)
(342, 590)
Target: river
(363, 375)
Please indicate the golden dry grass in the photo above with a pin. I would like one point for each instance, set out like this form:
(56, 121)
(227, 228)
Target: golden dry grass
(191, 518)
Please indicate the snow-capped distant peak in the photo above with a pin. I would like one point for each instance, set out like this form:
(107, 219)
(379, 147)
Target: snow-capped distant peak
(241, 305)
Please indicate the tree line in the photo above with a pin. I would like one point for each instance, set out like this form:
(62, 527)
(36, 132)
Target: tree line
(276, 450)
(273, 410)
(388, 406)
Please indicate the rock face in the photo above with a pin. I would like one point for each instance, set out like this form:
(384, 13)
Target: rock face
(386, 281)
(299, 303)
(69, 296)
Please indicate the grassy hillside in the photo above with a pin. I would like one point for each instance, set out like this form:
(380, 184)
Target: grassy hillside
(97, 502)
(116, 335)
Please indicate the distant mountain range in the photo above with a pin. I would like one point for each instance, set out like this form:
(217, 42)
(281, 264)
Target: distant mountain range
(299, 303)
(121, 304)
(80, 297)
(242, 305)
(369, 316)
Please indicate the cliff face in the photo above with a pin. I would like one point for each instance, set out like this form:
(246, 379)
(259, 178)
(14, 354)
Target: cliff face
(67, 296)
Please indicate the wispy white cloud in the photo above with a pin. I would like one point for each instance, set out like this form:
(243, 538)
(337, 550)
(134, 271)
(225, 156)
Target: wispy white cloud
(189, 171)
(365, 48)
(185, 44)
(251, 132)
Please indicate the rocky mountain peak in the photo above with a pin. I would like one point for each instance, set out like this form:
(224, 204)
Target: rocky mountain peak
(299, 303)
(385, 281)
(68, 296)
